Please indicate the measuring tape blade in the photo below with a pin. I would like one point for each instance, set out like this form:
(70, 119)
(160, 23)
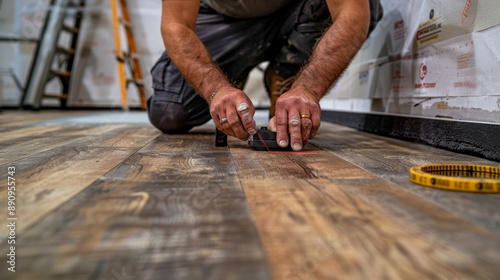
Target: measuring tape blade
(458, 177)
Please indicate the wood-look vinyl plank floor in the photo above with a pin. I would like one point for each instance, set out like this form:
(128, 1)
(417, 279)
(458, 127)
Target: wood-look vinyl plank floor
(123, 201)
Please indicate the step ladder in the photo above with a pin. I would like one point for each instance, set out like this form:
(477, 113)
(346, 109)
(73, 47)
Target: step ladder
(128, 58)
(51, 59)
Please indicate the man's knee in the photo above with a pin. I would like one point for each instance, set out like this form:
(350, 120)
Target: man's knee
(169, 117)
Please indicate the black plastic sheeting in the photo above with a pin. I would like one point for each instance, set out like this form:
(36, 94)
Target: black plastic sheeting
(480, 139)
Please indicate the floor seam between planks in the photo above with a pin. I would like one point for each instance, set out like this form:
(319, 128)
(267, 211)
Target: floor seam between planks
(252, 215)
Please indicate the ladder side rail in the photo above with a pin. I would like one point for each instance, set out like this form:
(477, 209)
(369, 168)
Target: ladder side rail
(36, 53)
(66, 82)
(46, 51)
(136, 71)
(119, 54)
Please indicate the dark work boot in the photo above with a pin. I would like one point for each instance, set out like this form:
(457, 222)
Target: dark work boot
(276, 86)
(241, 84)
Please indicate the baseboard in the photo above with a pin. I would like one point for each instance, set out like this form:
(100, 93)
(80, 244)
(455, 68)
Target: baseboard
(480, 139)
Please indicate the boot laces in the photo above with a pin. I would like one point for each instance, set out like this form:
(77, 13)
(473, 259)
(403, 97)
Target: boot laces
(285, 85)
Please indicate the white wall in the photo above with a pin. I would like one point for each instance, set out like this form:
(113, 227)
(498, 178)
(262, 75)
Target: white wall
(96, 67)
(454, 73)
(17, 19)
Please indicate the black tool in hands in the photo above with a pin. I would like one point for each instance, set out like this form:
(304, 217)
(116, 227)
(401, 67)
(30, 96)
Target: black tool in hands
(266, 141)
(220, 138)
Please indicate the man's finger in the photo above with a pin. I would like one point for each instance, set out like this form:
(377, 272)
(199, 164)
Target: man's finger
(281, 122)
(246, 116)
(305, 120)
(271, 124)
(236, 126)
(306, 129)
(315, 119)
(294, 127)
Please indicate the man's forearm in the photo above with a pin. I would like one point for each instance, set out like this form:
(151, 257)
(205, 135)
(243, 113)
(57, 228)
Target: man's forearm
(193, 60)
(332, 55)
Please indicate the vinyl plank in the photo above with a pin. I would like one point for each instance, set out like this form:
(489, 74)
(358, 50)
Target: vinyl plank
(313, 163)
(190, 142)
(391, 159)
(123, 136)
(20, 118)
(32, 140)
(26, 131)
(47, 179)
(12, 150)
(165, 158)
(321, 229)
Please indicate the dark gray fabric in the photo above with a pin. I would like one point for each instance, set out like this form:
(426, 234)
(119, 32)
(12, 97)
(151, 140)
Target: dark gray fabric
(247, 8)
(376, 14)
(284, 38)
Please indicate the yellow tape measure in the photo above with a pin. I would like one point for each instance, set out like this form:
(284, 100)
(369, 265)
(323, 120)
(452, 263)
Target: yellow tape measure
(458, 177)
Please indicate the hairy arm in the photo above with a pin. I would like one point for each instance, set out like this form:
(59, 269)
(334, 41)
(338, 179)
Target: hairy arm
(185, 48)
(196, 65)
(337, 47)
(331, 55)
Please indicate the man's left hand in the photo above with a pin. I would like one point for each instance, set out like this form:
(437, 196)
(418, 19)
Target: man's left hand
(298, 113)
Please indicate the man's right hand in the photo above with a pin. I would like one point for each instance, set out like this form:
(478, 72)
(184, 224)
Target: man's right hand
(232, 112)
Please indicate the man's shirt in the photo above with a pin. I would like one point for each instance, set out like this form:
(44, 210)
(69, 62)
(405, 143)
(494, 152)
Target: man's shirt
(247, 8)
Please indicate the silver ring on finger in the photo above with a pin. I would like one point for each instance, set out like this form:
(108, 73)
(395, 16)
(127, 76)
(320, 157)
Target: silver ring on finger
(223, 120)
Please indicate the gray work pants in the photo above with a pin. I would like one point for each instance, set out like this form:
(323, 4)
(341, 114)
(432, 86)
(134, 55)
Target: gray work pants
(284, 38)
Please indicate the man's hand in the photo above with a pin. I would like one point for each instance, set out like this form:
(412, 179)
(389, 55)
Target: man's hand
(232, 112)
(332, 54)
(298, 113)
